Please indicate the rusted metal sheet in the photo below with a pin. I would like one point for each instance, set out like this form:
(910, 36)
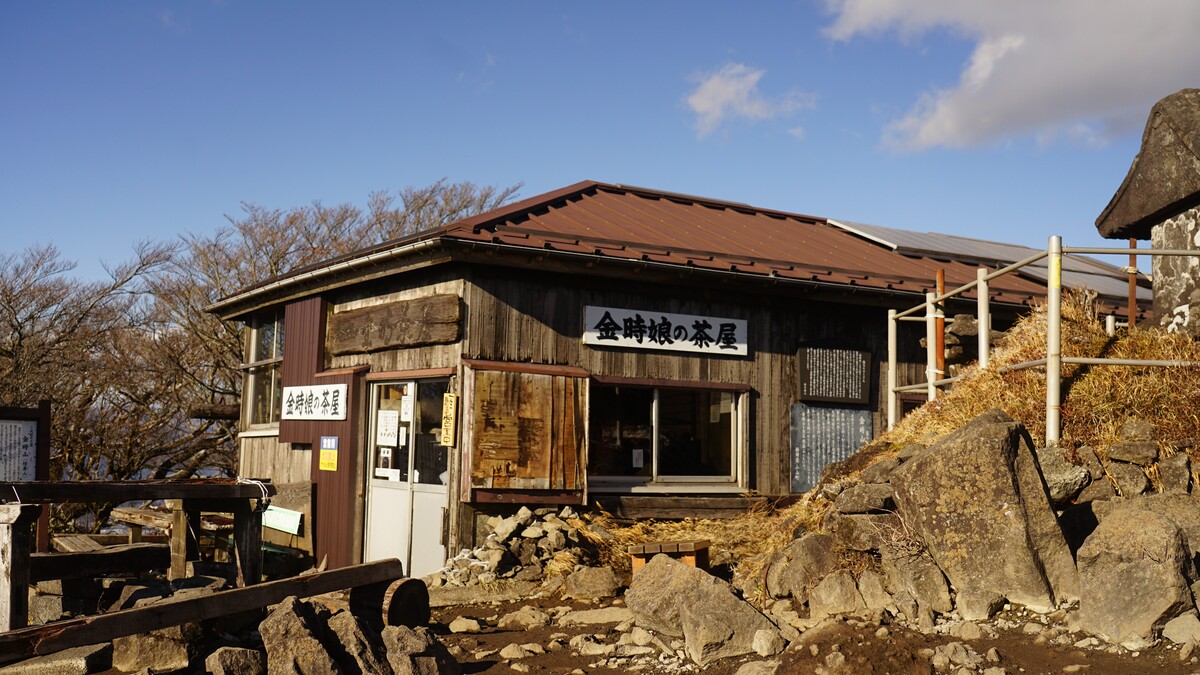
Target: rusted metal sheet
(434, 319)
(336, 511)
(527, 431)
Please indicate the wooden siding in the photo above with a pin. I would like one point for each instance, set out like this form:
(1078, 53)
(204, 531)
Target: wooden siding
(527, 431)
(538, 318)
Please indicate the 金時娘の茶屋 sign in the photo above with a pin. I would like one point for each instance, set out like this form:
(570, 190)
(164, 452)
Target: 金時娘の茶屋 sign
(640, 329)
(314, 402)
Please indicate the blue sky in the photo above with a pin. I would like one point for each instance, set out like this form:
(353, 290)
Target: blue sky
(1006, 120)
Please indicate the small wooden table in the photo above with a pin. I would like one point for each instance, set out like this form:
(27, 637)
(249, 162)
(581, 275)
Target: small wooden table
(222, 495)
(692, 552)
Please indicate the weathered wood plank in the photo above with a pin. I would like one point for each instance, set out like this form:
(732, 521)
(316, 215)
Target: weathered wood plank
(27, 642)
(105, 560)
(434, 319)
(16, 534)
(74, 543)
(127, 491)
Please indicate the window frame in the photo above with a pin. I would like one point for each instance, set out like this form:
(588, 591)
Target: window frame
(656, 481)
(256, 370)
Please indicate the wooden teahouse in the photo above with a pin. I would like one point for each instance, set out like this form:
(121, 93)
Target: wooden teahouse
(659, 353)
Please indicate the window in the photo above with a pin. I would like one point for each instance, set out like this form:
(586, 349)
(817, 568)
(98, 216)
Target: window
(264, 356)
(641, 434)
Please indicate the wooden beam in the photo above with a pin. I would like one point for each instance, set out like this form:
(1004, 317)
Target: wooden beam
(125, 491)
(37, 640)
(105, 560)
(433, 319)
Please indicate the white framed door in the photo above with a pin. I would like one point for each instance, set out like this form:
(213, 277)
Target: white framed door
(408, 476)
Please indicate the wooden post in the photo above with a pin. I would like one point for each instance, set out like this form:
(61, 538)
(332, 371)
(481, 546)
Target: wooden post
(941, 325)
(185, 528)
(15, 540)
(247, 542)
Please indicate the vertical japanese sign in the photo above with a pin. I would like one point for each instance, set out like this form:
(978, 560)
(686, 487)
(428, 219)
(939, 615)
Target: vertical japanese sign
(315, 402)
(640, 329)
(18, 450)
(449, 418)
(329, 453)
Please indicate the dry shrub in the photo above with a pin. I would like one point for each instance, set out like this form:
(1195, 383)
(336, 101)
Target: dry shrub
(1098, 400)
(747, 540)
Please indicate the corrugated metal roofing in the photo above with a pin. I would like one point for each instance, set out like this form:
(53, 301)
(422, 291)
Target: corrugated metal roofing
(623, 223)
(1078, 271)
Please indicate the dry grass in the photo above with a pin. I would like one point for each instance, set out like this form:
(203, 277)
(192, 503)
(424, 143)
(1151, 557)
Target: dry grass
(1098, 402)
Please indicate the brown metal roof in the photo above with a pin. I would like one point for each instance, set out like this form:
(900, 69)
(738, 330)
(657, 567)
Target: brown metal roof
(623, 223)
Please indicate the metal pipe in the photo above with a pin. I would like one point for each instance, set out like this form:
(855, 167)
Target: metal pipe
(984, 318)
(1021, 366)
(1087, 361)
(1094, 250)
(893, 400)
(931, 372)
(1110, 325)
(968, 286)
(1054, 342)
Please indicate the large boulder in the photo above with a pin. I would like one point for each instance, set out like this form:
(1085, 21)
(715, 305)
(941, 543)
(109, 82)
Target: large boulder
(914, 575)
(979, 491)
(797, 568)
(836, 594)
(1132, 577)
(291, 635)
(163, 650)
(416, 651)
(670, 597)
(591, 583)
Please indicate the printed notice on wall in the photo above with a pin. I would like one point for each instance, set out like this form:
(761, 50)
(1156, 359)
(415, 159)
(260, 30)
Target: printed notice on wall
(329, 453)
(387, 427)
(641, 329)
(18, 450)
(834, 375)
(315, 402)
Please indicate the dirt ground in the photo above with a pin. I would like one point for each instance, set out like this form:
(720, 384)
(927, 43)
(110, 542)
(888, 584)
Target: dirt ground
(864, 651)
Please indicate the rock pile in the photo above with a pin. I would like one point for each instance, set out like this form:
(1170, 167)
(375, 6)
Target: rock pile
(517, 547)
(979, 521)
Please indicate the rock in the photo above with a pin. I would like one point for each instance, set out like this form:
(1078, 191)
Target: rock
(800, 566)
(863, 531)
(514, 652)
(768, 643)
(587, 617)
(1175, 473)
(75, 661)
(162, 650)
(1142, 453)
(876, 597)
(1131, 480)
(836, 594)
(969, 630)
(416, 651)
(920, 579)
(360, 645)
(978, 605)
(1064, 480)
(670, 597)
(865, 498)
(1131, 577)
(465, 624)
(1137, 430)
(236, 661)
(523, 619)
(591, 583)
(1099, 489)
(290, 637)
(505, 529)
(880, 471)
(979, 490)
(758, 668)
(1183, 629)
(533, 532)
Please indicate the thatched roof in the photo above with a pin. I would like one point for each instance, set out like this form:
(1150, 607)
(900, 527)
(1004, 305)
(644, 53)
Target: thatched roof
(1164, 179)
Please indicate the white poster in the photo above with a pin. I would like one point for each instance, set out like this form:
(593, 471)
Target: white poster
(18, 450)
(315, 402)
(387, 427)
(640, 329)
(406, 408)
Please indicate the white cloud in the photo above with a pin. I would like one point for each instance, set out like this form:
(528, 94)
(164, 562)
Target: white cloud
(732, 92)
(1079, 71)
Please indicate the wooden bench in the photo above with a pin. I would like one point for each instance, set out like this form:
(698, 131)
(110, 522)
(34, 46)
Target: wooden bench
(692, 552)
